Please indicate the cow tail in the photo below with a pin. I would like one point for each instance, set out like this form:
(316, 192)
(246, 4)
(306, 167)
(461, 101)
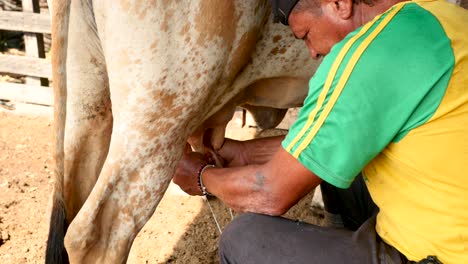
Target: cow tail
(55, 251)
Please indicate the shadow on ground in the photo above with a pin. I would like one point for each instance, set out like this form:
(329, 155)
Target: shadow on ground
(202, 236)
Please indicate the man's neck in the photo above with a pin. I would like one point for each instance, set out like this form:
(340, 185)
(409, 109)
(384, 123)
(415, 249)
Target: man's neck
(365, 13)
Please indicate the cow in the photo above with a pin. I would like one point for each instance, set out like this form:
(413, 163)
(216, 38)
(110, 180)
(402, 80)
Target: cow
(132, 81)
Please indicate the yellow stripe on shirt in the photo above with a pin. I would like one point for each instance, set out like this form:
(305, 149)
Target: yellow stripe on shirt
(342, 82)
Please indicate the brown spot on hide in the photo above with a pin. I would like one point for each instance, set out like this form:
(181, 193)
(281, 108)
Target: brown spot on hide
(152, 3)
(134, 199)
(184, 29)
(216, 18)
(137, 4)
(162, 81)
(125, 4)
(177, 111)
(153, 45)
(164, 26)
(166, 98)
(168, 14)
(243, 52)
(161, 128)
(134, 176)
(274, 51)
(126, 211)
(157, 147)
(94, 61)
(277, 38)
(143, 14)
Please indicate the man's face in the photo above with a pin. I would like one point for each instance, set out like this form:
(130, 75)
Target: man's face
(318, 29)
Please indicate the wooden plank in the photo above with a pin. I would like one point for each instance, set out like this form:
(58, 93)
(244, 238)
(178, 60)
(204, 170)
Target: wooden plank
(26, 93)
(30, 41)
(31, 110)
(34, 43)
(50, 4)
(23, 21)
(25, 66)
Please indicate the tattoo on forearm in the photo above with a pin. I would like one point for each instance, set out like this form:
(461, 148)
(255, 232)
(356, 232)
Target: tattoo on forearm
(259, 181)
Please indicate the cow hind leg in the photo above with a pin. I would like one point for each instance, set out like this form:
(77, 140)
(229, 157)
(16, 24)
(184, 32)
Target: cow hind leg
(147, 140)
(87, 125)
(89, 118)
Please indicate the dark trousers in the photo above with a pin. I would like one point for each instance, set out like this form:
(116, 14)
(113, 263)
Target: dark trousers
(255, 238)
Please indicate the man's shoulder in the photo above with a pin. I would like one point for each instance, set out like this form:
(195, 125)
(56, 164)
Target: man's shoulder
(406, 34)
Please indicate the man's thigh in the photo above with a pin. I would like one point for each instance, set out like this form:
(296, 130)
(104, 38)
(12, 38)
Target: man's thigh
(354, 205)
(253, 238)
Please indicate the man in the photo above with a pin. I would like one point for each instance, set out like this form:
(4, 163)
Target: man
(390, 99)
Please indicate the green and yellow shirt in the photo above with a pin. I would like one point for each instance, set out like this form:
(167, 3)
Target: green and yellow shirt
(391, 100)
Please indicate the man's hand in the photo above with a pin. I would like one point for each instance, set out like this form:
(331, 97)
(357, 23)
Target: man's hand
(186, 175)
(233, 153)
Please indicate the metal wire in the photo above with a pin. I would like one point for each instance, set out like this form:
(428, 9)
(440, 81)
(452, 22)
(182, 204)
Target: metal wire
(232, 215)
(214, 216)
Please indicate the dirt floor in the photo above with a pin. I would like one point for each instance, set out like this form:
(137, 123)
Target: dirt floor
(182, 229)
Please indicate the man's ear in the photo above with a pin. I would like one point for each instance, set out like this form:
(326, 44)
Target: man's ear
(342, 8)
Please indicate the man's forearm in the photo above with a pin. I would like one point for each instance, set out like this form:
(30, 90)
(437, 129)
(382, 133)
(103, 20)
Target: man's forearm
(268, 188)
(260, 151)
(244, 189)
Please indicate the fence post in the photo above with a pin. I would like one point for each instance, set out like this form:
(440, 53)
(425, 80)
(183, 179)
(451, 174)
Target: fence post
(34, 43)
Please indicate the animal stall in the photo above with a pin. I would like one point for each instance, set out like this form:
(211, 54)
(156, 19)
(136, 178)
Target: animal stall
(33, 64)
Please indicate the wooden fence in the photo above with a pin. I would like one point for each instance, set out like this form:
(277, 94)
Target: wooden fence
(34, 65)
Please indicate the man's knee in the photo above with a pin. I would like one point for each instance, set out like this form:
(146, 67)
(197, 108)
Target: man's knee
(238, 230)
(240, 236)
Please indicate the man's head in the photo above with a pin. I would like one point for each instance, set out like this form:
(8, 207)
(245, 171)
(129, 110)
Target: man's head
(323, 23)
(283, 8)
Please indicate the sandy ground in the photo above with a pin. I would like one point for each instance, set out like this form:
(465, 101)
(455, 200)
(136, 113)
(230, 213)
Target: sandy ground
(182, 229)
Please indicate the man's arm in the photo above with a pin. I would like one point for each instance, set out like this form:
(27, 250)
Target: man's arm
(270, 188)
(250, 152)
